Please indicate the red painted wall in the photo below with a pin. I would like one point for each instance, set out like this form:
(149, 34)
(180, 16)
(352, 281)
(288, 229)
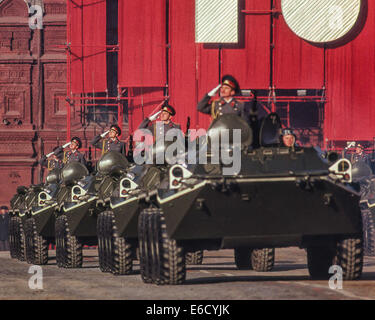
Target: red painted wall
(193, 69)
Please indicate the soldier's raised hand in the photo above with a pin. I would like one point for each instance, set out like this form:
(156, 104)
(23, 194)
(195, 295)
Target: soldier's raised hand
(104, 134)
(154, 116)
(214, 91)
(67, 144)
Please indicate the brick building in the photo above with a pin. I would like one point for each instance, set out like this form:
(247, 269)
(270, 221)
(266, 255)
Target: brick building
(32, 82)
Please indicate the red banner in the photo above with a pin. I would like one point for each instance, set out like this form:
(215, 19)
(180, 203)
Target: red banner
(143, 43)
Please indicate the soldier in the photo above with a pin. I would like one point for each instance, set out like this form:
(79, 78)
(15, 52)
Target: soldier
(166, 113)
(226, 103)
(112, 143)
(288, 138)
(73, 154)
(359, 155)
(53, 160)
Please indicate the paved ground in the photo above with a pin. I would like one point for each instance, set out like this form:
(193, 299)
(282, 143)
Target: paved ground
(217, 278)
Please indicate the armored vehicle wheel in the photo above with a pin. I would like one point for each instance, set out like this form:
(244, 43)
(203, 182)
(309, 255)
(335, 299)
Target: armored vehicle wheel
(263, 260)
(164, 258)
(145, 244)
(121, 251)
(347, 253)
(368, 222)
(350, 258)
(12, 239)
(59, 236)
(242, 258)
(194, 257)
(29, 242)
(102, 249)
(36, 245)
(19, 238)
(71, 248)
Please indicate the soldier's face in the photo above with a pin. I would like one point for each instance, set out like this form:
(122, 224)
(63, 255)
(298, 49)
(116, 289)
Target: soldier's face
(73, 146)
(289, 140)
(226, 91)
(112, 134)
(358, 150)
(165, 116)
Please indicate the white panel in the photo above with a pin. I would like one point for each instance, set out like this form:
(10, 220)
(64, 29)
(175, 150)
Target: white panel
(216, 21)
(321, 20)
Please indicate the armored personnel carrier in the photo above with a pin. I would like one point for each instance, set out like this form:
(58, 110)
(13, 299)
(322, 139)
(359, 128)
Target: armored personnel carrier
(40, 222)
(118, 225)
(86, 196)
(279, 197)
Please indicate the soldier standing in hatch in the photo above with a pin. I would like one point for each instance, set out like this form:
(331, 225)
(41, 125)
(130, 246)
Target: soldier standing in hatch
(288, 138)
(112, 143)
(359, 155)
(166, 113)
(226, 104)
(73, 154)
(52, 160)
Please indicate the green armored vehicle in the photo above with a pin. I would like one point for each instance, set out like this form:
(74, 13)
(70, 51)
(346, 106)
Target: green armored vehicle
(279, 197)
(86, 196)
(118, 225)
(40, 222)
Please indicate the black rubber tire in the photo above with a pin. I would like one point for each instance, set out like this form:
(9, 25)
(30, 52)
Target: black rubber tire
(194, 258)
(59, 236)
(242, 258)
(347, 253)
(71, 248)
(121, 251)
(171, 256)
(36, 245)
(350, 258)
(263, 260)
(162, 261)
(12, 239)
(144, 247)
(102, 250)
(29, 241)
(368, 222)
(20, 244)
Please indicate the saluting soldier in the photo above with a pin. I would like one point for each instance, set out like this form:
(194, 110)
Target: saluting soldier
(53, 160)
(166, 113)
(226, 103)
(112, 143)
(73, 154)
(360, 155)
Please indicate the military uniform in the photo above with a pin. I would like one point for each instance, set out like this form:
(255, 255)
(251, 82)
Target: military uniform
(51, 163)
(147, 124)
(108, 145)
(355, 157)
(218, 107)
(75, 156)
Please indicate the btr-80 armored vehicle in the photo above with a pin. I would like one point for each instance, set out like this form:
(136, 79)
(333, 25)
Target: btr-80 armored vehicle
(118, 225)
(279, 197)
(86, 197)
(40, 222)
